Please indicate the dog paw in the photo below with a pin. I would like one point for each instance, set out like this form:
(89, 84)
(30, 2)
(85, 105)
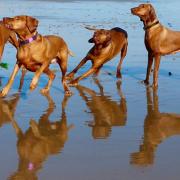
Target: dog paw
(33, 84)
(145, 82)
(4, 92)
(44, 90)
(69, 76)
(32, 87)
(73, 83)
(68, 93)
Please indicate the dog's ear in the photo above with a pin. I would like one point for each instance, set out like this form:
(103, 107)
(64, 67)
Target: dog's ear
(31, 23)
(152, 14)
(108, 39)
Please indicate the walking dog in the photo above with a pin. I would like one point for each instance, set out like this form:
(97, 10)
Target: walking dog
(37, 52)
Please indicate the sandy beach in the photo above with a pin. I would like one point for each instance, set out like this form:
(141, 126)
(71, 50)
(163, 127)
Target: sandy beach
(107, 130)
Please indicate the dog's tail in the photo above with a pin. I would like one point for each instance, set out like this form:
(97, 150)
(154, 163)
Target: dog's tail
(71, 53)
(91, 28)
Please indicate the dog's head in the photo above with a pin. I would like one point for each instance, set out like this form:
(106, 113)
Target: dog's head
(145, 12)
(21, 23)
(101, 36)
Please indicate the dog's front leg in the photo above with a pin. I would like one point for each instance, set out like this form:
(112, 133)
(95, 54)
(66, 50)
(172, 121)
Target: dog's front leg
(35, 79)
(89, 72)
(149, 66)
(71, 74)
(24, 70)
(156, 70)
(6, 89)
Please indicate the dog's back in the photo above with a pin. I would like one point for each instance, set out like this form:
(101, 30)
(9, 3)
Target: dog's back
(118, 29)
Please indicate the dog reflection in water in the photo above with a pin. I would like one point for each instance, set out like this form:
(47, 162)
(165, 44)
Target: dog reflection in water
(8, 105)
(8, 108)
(106, 112)
(157, 128)
(41, 140)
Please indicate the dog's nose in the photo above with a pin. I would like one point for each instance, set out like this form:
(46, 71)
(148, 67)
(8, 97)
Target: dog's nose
(91, 40)
(132, 10)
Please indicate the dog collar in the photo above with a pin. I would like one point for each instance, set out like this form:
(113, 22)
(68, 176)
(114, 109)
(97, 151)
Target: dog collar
(151, 25)
(27, 41)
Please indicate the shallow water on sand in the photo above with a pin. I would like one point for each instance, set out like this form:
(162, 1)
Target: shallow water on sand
(107, 129)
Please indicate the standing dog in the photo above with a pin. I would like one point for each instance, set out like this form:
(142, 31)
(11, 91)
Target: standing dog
(108, 43)
(37, 52)
(159, 40)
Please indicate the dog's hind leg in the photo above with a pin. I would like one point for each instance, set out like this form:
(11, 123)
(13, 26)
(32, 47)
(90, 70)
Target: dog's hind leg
(123, 54)
(62, 61)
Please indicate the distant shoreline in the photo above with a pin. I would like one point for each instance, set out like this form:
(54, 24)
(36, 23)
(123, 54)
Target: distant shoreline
(84, 0)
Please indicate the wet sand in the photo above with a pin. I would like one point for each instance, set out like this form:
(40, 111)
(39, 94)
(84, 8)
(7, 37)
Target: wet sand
(108, 130)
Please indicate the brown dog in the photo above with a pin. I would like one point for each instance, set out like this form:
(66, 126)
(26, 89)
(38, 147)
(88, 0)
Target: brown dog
(108, 43)
(159, 40)
(37, 52)
(5, 36)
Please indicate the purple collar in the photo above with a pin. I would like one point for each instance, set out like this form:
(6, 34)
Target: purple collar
(27, 41)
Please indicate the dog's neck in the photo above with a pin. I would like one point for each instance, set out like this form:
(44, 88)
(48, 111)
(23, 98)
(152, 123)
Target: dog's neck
(100, 47)
(28, 39)
(148, 25)
(24, 34)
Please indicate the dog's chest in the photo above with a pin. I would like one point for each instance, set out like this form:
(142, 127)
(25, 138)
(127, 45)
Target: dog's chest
(150, 41)
(31, 61)
(101, 54)
(27, 53)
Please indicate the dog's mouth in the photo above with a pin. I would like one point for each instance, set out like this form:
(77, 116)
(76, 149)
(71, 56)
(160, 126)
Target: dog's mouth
(134, 11)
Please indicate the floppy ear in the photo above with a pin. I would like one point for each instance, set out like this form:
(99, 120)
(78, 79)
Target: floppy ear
(152, 14)
(31, 23)
(108, 39)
